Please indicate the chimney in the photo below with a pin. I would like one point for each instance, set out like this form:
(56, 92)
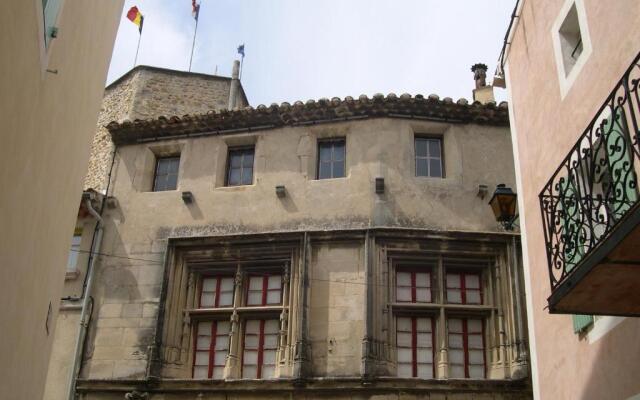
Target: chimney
(235, 84)
(482, 92)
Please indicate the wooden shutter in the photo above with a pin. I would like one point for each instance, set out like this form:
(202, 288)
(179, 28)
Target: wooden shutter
(581, 322)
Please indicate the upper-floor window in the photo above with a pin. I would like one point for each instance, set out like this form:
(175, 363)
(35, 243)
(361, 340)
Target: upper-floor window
(466, 347)
(414, 338)
(260, 347)
(445, 293)
(216, 292)
(463, 288)
(237, 312)
(264, 290)
(331, 158)
(570, 36)
(429, 157)
(413, 286)
(240, 166)
(50, 9)
(72, 261)
(166, 173)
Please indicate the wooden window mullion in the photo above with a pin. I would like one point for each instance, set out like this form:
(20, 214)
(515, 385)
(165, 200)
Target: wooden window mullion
(413, 287)
(414, 347)
(265, 288)
(216, 301)
(260, 349)
(212, 347)
(463, 288)
(465, 346)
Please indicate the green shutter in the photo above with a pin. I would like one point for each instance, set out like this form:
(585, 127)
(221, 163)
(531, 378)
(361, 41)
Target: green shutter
(581, 322)
(50, 12)
(623, 194)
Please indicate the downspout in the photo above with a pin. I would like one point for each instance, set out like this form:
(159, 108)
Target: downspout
(522, 355)
(84, 314)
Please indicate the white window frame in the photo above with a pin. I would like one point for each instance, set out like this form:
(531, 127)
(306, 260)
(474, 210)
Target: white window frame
(567, 80)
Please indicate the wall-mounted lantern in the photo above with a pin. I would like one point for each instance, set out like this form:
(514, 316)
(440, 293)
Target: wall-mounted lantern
(503, 203)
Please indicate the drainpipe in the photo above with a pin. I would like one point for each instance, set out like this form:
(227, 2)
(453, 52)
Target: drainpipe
(84, 314)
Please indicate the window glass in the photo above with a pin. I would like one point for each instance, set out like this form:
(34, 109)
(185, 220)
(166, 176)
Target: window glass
(72, 261)
(414, 341)
(413, 286)
(50, 9)
(466, 348)
(260, 347)
(166, 175)
(463, 288)
(217, 292)
(264, 290)
(428, 157)
(211, 349)
(331, 159)
(240, 167)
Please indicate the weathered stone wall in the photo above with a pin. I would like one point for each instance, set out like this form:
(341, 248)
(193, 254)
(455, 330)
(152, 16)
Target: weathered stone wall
(141, 227)
(148, 92)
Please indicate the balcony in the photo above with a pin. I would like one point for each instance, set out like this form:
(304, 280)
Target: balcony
(591, 212)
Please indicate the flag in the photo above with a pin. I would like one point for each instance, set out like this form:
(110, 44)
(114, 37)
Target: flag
(136, 17)
(241, 50)
(195, 9)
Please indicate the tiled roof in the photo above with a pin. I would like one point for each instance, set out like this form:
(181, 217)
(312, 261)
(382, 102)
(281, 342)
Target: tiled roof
(312, 112)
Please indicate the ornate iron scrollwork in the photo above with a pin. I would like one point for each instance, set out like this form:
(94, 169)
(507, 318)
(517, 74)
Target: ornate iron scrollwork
(596, 184)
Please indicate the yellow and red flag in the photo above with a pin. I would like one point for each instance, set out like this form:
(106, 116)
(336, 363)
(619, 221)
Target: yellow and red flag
(136, 17)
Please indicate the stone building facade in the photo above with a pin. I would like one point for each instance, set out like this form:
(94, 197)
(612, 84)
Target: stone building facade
(333, 249)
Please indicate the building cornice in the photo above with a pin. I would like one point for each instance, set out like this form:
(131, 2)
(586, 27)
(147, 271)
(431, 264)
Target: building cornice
(312, 112)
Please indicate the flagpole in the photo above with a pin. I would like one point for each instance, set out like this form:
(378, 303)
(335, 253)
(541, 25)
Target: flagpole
(135, 60)
(241, 62)
(193, 46)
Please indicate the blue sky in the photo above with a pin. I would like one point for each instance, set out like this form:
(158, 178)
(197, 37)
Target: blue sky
(304, 49)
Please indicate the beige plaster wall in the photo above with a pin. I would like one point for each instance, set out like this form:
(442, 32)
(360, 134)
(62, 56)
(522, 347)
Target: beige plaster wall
(545, 126)
(129, 279)
(48, 120)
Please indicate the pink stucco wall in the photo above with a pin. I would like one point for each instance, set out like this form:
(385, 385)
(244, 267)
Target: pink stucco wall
(545, 126)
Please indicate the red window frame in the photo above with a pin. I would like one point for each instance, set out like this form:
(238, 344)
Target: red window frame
(259, 350)
(217, 298)
(414, 344)
(212, 348)
(414, 286)
(463, 289)
(465, 343)
(265, 289)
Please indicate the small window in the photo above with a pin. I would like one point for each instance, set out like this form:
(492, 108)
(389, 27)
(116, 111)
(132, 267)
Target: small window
(414, 339)
(331, 159)
(260, 346)
(217, 292)
(211, 349)
(50, 9)
(466, 348)
(429, 157)
(72, 261)
(166, 175)
(570, 40)
(240, 166)
(413, 286)
(264, 290)
(464, 288)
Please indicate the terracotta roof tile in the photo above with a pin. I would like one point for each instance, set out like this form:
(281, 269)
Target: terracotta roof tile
(310, 112)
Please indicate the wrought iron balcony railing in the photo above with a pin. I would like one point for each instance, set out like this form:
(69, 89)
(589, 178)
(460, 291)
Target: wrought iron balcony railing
(596, 185)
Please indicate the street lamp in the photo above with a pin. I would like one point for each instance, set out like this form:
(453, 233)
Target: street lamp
(503, 203)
